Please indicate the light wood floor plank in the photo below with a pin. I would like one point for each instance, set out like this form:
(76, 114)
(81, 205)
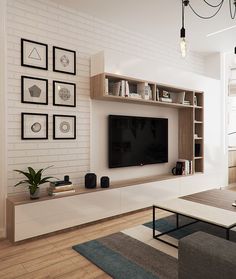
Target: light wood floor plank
(53, 256)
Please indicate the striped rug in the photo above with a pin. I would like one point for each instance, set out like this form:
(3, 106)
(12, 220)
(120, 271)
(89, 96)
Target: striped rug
(134, 254)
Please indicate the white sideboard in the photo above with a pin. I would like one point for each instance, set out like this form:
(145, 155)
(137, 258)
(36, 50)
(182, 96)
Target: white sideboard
(27, 219)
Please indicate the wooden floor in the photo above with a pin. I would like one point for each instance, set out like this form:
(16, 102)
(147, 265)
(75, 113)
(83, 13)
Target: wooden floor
(53, 257)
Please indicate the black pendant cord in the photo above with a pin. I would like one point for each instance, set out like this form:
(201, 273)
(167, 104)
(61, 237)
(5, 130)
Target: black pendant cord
(230, 7)
(208, 17)
(211, 5)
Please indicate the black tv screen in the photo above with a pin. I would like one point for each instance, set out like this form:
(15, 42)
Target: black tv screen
(137, 141)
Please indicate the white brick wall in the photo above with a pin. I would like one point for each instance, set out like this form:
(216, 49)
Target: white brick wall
(54, 25)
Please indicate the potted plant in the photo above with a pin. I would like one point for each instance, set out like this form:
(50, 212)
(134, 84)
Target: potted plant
(33, 180)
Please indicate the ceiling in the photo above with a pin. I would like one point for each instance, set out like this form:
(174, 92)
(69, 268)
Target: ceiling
(161, 19)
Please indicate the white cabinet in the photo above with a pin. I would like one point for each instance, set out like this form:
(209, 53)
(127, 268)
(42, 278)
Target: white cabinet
(145, 195)
(30, 219)
(33, 219)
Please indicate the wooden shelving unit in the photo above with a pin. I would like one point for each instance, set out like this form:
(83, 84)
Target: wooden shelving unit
(191, 118)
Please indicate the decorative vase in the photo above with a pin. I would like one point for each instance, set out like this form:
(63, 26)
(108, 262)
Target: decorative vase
(35, 195)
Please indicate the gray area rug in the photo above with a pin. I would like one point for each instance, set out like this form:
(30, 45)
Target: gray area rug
(123, 257)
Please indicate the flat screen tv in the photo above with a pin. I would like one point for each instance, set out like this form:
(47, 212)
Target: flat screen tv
(137, 141)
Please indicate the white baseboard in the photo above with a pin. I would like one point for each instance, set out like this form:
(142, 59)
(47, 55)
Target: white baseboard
(2, 233)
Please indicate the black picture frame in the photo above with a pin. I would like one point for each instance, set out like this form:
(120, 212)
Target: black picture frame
(23, 137)
(55, 69)
(55, 137)
(23, 63)
(23, 79)
(55, 103)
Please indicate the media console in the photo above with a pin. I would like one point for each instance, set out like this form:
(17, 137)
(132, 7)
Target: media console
(27, 218)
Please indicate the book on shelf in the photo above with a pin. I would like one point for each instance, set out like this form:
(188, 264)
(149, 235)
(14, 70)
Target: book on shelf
(61, 193)
(187, 166)
(166, 100)
(127, 91)
(106, 86)
(61, 188)
(60, 183)
(135, 95)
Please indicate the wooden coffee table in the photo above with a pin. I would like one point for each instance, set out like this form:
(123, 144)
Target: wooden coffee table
(211, 207)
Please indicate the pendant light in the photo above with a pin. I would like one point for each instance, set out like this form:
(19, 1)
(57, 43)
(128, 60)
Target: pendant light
(216, 7)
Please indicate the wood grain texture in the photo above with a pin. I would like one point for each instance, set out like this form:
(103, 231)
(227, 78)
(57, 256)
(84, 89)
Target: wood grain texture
(232, 158)
(186, 134)
(217, 198)
(53, 257)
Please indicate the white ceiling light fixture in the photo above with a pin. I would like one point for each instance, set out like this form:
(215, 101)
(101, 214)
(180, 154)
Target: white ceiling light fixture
(216, 7)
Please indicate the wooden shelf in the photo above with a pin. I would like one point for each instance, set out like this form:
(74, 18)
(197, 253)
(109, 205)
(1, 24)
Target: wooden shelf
(24, 198)
(198, 158)
(190, 116)
(141, 101)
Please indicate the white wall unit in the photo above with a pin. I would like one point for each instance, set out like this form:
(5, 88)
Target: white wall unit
(215, 157)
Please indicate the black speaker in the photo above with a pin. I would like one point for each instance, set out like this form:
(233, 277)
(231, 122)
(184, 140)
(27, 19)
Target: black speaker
(105, 182)
(90, 180)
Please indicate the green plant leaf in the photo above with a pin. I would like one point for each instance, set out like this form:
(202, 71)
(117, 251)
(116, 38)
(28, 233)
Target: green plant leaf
(46, 179)
(22, 182)
(32, 172)
(28, 175)
(37, 177)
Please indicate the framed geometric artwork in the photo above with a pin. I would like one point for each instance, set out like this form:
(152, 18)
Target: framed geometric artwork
(64, 127)
(64, 60)
(64, 94)
(34, 90)
(34, 126)
(34, 54)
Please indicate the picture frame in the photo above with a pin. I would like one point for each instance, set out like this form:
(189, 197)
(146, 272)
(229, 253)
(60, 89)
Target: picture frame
(34, 90)
(64, 94)
(64, 127)
(34, 54)
(64, 60)
(34, 126)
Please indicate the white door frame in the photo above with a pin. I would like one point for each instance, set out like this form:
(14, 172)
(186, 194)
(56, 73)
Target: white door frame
(3, 126)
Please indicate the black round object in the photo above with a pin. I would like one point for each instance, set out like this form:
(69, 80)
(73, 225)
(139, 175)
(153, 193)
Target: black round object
(66, 178)
(90, 180)
(105, 182)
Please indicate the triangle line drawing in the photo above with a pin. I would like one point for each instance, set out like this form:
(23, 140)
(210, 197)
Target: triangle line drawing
(34, 54)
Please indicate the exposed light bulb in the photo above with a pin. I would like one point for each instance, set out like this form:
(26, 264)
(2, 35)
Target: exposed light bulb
(183, 47)
(183, 44)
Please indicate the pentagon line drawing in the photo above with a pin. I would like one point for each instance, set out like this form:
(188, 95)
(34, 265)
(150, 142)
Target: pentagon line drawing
(35, 91)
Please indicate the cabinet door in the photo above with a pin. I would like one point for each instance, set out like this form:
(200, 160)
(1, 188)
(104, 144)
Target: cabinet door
(39, 218)
(198, 183)
(145, 195)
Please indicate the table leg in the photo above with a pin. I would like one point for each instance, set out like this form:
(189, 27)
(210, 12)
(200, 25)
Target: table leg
(177, 220)
(227, 234)
(153, 221)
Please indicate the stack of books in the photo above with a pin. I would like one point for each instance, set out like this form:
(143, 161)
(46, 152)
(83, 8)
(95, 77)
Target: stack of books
(187, 166)
(187, 103)
(58, 188)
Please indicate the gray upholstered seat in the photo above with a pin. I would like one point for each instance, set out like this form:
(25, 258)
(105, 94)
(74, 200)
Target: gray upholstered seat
(204, 256)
